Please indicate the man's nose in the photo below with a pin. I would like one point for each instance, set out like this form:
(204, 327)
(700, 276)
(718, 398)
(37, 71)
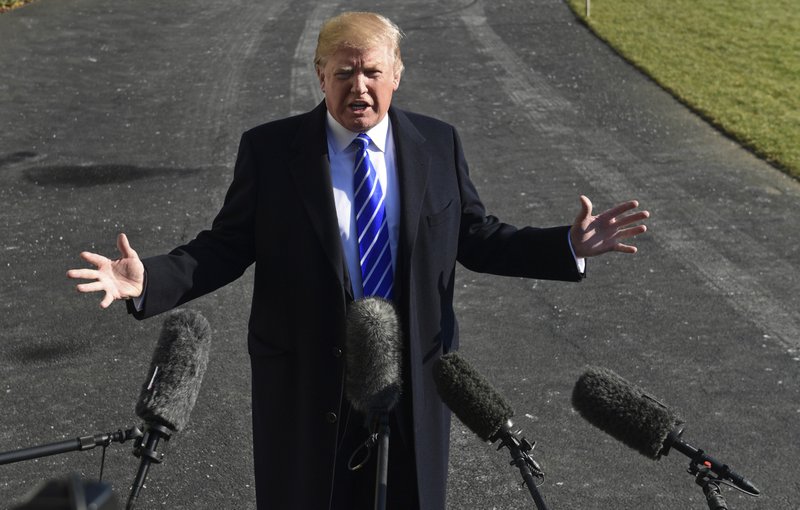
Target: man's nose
(359, 84)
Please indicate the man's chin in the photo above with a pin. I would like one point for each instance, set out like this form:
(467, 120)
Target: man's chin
(360, 123)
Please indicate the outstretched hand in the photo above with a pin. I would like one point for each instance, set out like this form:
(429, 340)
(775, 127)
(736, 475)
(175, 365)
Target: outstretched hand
(122, 278)
(594, 235)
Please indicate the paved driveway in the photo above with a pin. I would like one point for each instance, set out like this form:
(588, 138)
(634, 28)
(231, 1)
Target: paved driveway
(125, 116)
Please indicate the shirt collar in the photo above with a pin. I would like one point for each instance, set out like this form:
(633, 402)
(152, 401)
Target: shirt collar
(343, 137)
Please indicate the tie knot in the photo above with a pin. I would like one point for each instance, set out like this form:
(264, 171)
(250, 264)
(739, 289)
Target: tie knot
(362, 141)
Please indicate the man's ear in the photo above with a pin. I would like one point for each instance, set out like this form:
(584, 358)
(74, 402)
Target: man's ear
(321, 77)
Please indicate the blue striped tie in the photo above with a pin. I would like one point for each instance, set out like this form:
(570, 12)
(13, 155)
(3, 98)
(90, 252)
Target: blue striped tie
(373, 232)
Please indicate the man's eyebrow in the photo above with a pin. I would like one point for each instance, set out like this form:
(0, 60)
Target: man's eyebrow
(367, 66)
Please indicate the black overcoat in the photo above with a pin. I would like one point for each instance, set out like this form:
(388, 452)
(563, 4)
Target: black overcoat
(279, 214)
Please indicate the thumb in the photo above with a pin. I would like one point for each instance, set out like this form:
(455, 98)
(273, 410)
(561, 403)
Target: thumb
(124, 247)
(586, 209)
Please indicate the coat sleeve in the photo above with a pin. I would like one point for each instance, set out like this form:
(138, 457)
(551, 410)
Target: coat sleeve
(215, 257)
(488, 245)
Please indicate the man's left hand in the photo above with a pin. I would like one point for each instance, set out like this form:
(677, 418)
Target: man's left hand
(595, 235)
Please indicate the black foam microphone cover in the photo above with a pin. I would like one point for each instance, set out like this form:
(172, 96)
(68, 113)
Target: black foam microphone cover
(176, 370)
(624, 411)
(373, 356)
(470, 396)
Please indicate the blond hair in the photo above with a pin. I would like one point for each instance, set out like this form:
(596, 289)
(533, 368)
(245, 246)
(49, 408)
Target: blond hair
(360, 31)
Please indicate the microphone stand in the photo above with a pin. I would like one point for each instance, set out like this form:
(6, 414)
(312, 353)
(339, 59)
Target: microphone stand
(71, 445)
(528, 467)
(710, 488)
(146, 449)
(382, 466)
(381, 437)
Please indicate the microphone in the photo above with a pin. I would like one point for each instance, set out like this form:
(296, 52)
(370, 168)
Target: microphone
(373, 357)
(170, 392)
(471, 398)
(639, 420)
(487, 414)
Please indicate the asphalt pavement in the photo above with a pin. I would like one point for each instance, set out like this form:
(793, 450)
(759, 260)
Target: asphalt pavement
(125, 116)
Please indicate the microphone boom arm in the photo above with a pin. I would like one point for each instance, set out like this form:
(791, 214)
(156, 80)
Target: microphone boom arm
(699, 459)
(70, 445)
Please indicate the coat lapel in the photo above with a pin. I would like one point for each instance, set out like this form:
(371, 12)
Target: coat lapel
(413, 166)
(311, 172)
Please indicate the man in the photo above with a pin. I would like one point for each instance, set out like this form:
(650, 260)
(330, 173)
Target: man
(294, 210)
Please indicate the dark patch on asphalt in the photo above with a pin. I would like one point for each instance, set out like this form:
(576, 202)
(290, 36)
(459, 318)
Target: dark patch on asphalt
(85, 176)
(16, 157)
(49, 353)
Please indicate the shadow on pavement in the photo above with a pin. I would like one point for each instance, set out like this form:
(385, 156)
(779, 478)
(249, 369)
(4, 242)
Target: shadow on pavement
(84, 176)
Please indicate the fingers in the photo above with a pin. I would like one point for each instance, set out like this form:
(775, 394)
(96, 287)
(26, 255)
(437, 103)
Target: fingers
(96, 286)
(625, 248)
(620, 209)
(91, 287)
(631, 218)
(83, 274)
(626, 233)
(107, 300)
(615, 219)
(607, 231)
(92, 274)
(105, 275)
(94, 259)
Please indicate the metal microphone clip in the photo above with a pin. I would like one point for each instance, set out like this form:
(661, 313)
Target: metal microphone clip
(367, 447)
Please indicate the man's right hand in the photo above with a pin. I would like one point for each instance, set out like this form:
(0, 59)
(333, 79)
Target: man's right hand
(122, 278)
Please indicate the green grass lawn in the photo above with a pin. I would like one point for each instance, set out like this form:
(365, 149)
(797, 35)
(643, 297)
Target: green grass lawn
(7, 5)
(735, 62)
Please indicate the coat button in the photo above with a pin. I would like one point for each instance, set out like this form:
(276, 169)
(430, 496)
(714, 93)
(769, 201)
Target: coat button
(337, 352)
(330, 417)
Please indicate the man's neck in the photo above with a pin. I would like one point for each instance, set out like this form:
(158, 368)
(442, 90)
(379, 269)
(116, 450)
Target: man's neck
(343, 136)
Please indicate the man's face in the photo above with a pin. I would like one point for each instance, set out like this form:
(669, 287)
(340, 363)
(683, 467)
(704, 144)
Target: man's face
(358, 86)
